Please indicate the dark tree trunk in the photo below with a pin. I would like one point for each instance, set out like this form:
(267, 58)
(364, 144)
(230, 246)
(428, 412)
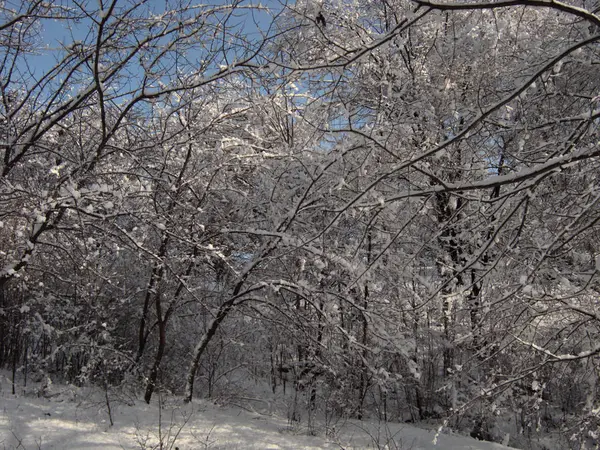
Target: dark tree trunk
(201, 347)
(162, 342)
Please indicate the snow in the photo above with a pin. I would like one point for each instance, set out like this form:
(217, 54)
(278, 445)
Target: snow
(73, 418)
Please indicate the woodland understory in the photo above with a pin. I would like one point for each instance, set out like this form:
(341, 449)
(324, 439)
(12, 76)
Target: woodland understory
(389, 208)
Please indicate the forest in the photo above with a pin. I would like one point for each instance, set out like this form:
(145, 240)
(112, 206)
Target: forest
(380, 209)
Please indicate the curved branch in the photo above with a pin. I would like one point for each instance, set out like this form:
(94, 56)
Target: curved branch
(552, 4)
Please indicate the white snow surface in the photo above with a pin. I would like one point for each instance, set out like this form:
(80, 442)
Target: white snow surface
(72, 418)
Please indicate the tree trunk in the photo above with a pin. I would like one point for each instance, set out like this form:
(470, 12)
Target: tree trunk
(201, 346)
(162, 341)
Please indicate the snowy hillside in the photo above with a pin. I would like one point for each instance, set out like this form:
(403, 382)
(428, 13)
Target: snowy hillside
(67, 422)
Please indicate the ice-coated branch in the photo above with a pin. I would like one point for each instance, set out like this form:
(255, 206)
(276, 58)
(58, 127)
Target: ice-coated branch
(552, 4)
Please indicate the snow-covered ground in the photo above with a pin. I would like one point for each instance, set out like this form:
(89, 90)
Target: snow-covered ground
(73, 418)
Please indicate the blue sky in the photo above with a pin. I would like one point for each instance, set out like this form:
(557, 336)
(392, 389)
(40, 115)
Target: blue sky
(55, 34)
